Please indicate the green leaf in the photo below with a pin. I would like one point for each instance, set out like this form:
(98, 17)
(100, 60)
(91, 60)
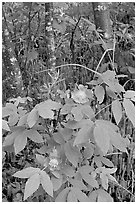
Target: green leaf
(5, 125)
(72, 196)
(88, 111)
(130, 110)
(110, 93)
(45, 109)
(27, 172)
(46, 183)
(62, 196)
(40, 159)
(8, 110)
(13, 119)
(32, 118)
(58, 138)
(80, 195)
(20, 142)
(104, 180)
(99, 93)
(76, 111)
(117, 110)
(118, 142)
(68, 170)
(103, 196)
(9, 140)
(84, 133)
(57, 183)
(72, 154)
(89, 179)
(34, 136)
(93, 196)
(130, 94)
(102, 138)
(23, 120)
(32, 185)
(107, 162)
(78, 184)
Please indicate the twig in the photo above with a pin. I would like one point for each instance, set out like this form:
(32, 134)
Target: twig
(65, 65)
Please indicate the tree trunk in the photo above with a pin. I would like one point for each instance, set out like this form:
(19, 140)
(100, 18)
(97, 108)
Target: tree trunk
(51, 59)
(102, 18)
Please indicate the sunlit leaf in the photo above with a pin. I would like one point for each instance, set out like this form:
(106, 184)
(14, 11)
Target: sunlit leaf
(46, 183)
(32, 118)
(27, 172)
(104, 180)
(81, 197)
(5, 125)
(99, 93)
(34, 136)
(72, 196)
(32, 185)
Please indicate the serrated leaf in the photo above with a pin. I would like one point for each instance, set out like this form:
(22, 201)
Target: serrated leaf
(104, 180)
(32, 118)
(46, 183)
(82, 197)
(27, 172)
(99, 93)
(71, 154)
(57, 183)
(103, 196)
(5, 125)
(32, 185)
(34, 136)
(9, 140)
(62, 196)
(130, 110)
(72, 197)
(20, 142)
(117, 110)
(102, 138)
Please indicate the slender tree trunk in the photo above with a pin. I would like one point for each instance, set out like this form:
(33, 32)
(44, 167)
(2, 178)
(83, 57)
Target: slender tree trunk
(51, 59)
(9, 46)
(102, 18)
